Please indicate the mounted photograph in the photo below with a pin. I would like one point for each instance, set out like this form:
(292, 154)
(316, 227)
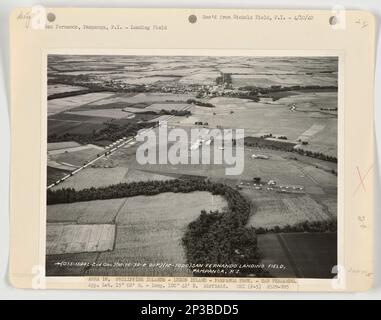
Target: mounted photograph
(192, 165)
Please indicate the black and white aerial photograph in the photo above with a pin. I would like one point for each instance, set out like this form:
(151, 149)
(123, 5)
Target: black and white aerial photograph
(191, 166)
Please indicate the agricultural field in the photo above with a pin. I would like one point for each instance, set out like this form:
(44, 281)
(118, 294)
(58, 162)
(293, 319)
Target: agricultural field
(62, 145)
(206, 77)
(70, 123)
(145, 97)
(63, 88)
(62, 127)
(53, 174)
(138, 175)
(74, 156)
(304, 255)
(289, 101)
(159, 240)
(148, 229)
(94, 177)
(259, 118)
(268, 80)
(104, 113)
(166, 106)
(271, 210)
(65, 238)
(64, 104)
(86, 212)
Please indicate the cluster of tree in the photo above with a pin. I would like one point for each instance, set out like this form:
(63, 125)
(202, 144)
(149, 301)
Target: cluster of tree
(111, 131)
(315, 154)
(282, 137)
(83, 80)
(225, 78)
(70, 94)
(256, 90)
(200, 103)
(215, 237)
(306, 226)
(260, 142)
(174, 112)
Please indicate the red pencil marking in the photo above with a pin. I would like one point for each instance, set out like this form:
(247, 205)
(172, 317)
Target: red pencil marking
(362, 178)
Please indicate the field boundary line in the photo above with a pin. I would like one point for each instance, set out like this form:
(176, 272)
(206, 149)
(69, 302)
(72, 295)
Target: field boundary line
(289, 256)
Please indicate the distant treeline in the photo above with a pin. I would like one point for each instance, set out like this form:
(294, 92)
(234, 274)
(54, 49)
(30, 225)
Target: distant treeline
(273, 144)
(111, 131)
(200, 103)
(73, 93)
(317, 155)
(213, 238)
(82, 80)
(278, 88)
(174, 112)
(286, 146)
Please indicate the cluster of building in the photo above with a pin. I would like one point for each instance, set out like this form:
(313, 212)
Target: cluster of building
(270, 185)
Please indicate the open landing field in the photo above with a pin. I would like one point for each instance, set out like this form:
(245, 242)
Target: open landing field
(306, 122)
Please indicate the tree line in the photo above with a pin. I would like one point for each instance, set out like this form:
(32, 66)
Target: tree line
(200, 103)
(112, 131)
(275, 145)
(305, 226)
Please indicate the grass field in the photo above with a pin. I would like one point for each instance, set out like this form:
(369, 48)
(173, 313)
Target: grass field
(304, 255)
(54, 174)
(62, 88)
(279, 209)
(280, 167)
(138, 175)
(258, 118)
(104, 113)
(146, 98)
(268, 80)
(94, 177)
(73, 238)
(68, 122)
(148, 228)
(76, 158)
(166, 106)
(272, 252)
(91, 212)
(62, 145)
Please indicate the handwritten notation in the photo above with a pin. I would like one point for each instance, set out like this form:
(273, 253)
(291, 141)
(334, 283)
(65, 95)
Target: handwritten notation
(362, 23)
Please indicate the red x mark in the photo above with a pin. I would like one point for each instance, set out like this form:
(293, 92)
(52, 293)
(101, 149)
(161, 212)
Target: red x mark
(362, 179)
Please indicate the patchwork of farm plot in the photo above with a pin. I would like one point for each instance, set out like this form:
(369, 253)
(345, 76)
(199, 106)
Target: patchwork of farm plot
(148, 229)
